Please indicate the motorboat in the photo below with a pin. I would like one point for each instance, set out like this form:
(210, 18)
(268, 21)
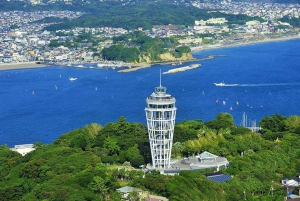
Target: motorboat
(73, 78)
(221, 84)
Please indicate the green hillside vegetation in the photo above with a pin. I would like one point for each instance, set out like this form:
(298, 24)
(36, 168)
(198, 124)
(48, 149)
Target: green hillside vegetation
(136, 46)
(133, 47)
(295, 22)
(129, 15)
(93, 5)
(82, 164)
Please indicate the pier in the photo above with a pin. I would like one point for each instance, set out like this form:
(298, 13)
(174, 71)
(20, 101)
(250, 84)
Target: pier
(181, 69)
(134, 68)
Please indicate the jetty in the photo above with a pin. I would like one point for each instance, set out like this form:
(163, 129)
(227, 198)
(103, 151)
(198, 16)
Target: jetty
(181, 69)
(134, 68)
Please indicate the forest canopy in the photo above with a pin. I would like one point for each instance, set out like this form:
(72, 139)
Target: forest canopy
(140, 14)
(136, 45)
(90, 163)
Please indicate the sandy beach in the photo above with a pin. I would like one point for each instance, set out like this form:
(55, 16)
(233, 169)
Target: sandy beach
(21, 65)
(207, 47)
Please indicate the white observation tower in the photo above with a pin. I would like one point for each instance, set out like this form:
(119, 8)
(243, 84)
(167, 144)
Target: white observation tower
(160, 116)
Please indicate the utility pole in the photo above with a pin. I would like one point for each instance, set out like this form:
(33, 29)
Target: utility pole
(287, 188)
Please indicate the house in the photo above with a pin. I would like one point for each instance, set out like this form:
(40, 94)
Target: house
(294, 182)
(23, 148)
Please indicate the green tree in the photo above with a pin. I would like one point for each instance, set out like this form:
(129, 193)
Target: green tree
(134, 196)
(187, 130)
(111, 145)
(223, 121)
(274, 123)
(99, 187)
(137, 161)
(291, 123)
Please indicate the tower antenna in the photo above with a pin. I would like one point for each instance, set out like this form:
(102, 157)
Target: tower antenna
(160, 78)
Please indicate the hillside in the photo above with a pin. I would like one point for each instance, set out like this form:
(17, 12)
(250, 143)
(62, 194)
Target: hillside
(83, 164)
(129, 15)
(138, 47)
(147, 15)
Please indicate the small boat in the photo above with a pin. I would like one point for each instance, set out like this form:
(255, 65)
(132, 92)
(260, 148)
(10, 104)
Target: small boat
(221, 84)
(101, 65)
(73, 78)
(79, 66)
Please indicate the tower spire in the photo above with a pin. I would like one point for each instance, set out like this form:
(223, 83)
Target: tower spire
(160, 78)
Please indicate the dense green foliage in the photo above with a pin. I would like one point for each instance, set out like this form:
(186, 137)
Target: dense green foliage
(295, 22)
(137, 46)
(93, 5)
(140, 14)
(72, 167)
(120, 53)
(187, 130)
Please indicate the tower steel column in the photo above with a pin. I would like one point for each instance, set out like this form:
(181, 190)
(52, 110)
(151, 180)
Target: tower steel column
(160, 116)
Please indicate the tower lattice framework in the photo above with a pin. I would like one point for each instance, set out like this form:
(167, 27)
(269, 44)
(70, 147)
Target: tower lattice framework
(160, 116)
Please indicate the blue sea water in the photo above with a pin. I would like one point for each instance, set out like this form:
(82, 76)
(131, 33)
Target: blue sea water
(41, 104)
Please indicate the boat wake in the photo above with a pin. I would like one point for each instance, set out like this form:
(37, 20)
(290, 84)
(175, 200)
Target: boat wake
(230, 85)
(268, 84)
(222, 84)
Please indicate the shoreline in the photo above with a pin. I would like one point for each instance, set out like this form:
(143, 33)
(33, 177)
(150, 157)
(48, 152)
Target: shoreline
(219, 46)
(21, 65)
(30, 65)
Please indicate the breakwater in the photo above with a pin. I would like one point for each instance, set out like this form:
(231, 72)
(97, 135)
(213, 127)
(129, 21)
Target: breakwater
(134, 68)
(182, 69)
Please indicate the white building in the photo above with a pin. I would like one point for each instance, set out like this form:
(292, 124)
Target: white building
(23, 148)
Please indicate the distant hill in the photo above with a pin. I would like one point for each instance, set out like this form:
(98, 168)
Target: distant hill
(94, 5)
(128, 14)
(145, 15)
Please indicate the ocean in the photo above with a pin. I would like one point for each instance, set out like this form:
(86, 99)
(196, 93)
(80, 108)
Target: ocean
(38, 105)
